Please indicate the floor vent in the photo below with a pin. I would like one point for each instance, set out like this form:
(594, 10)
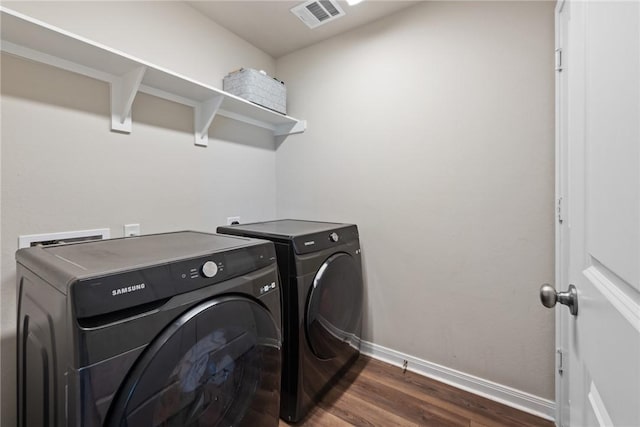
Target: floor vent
(318, 12)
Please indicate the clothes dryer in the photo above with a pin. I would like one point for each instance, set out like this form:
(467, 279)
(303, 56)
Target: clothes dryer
(321, 274)
(176, 329)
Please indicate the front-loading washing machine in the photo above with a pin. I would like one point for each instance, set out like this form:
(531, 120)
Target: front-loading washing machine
(175, 329)
(321, 274)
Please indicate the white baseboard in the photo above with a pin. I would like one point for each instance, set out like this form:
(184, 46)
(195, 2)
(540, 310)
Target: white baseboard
(500, 393)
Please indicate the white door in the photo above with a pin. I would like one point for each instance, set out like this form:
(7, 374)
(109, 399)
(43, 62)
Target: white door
(599, 225)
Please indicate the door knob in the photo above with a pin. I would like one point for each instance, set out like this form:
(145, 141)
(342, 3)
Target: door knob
(549, 297)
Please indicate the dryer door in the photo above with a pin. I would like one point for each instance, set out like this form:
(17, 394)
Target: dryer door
(334, 308)
(216, 365)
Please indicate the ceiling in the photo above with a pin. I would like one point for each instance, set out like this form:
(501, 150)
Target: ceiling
(270, 26)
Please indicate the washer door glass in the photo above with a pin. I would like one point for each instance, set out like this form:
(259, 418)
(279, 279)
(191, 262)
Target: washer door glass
(216, 365)
(333, 318)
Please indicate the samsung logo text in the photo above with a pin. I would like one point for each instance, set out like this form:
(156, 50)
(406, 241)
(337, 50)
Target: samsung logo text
(128, 289)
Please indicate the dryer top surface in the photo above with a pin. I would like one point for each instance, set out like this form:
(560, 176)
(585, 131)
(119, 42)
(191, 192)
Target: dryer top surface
(285, 228)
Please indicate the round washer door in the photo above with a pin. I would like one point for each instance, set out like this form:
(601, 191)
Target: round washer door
(334, 307)
(216, 365)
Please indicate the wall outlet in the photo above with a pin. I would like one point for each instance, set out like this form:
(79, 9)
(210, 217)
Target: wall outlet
(231, 220)
(131, 230)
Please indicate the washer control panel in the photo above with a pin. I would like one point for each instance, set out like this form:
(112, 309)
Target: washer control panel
(199, 269)
(214, 268)
(209, 269)
(97, 295)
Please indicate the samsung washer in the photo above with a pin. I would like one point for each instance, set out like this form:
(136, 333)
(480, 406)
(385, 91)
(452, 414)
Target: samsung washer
(321, 274)
(176, 329)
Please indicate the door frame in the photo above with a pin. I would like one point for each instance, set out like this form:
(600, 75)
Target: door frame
(561, 217)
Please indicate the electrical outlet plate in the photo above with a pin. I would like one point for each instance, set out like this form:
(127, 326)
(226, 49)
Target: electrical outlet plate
(233, 219)
(131, 230)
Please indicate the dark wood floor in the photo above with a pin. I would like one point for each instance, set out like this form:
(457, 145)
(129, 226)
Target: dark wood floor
(374, 393)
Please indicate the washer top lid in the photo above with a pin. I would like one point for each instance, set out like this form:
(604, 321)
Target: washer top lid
(112, 255)
(286, 228)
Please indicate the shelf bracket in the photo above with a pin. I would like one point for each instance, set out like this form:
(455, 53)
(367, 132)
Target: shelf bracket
(289, 129)
(123, 91)
(203, 114)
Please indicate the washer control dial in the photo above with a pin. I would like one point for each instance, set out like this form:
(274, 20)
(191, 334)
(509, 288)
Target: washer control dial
(334, 237)
(209, 269)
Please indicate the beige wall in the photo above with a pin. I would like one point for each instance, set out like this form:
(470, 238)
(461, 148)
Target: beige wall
(433, 130)
(62, 169)
(169, 34)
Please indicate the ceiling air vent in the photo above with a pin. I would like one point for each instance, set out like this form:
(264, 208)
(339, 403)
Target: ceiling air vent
(318, 12)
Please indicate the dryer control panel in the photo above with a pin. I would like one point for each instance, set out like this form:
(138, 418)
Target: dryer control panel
(307, 243)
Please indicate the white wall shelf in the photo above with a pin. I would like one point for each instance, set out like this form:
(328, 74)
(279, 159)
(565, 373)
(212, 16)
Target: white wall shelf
(32, 39)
